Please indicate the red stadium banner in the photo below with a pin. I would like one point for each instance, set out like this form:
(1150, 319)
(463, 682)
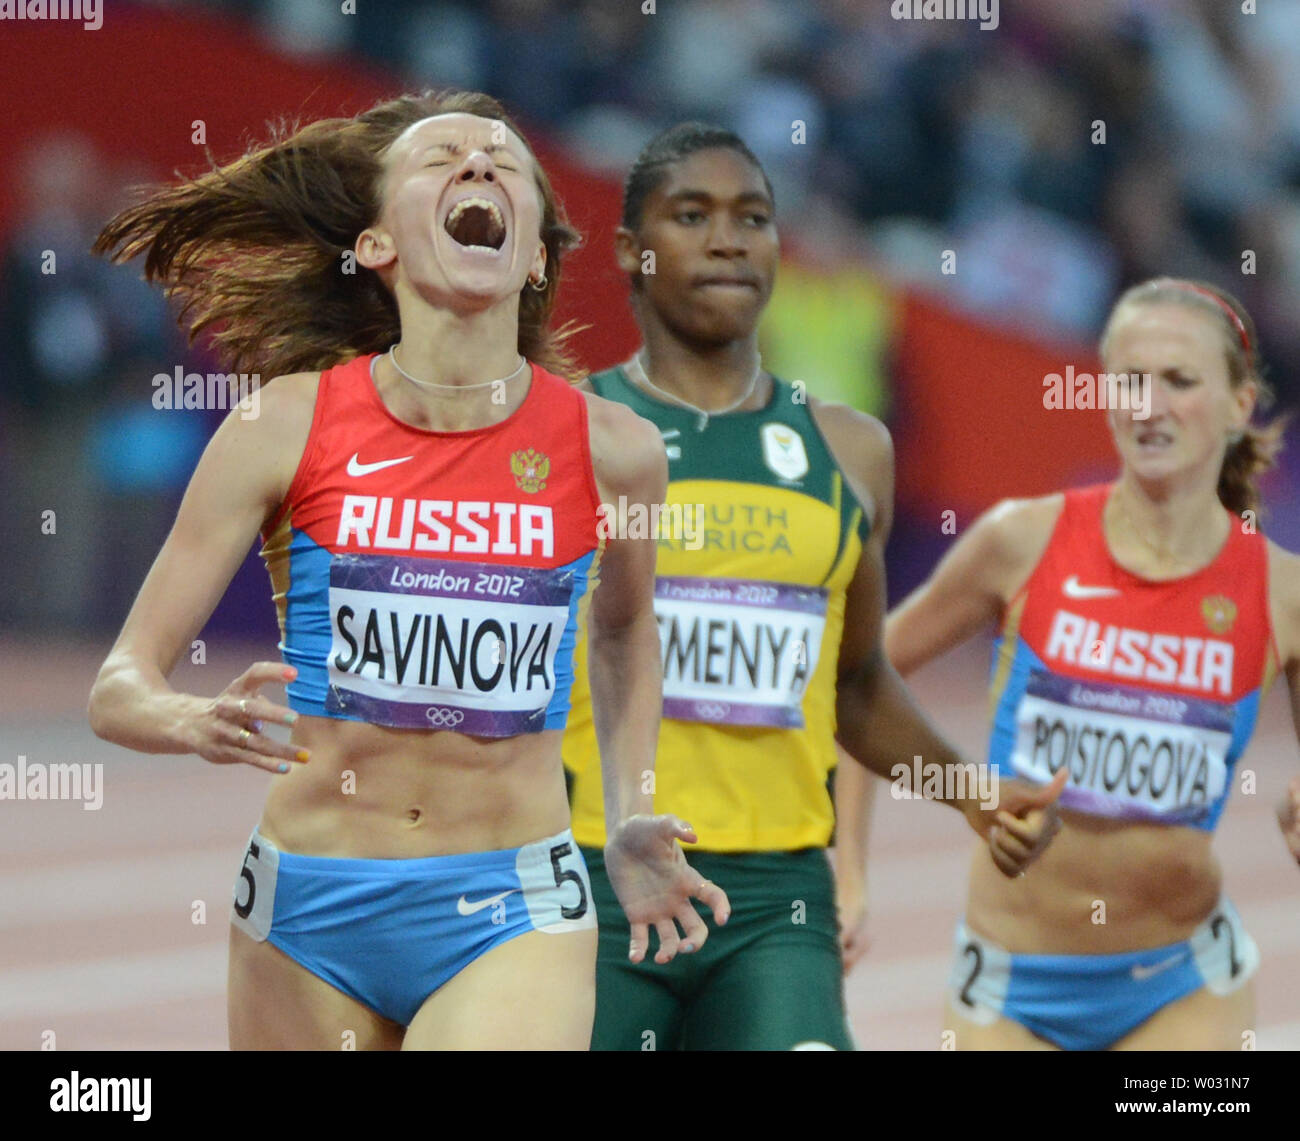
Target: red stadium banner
(138, 94)
(970, 422)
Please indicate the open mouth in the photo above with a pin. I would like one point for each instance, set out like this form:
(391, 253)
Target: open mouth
(477, 224)
(1154, 439)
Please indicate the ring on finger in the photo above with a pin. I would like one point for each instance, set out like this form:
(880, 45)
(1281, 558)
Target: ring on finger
(244, 735)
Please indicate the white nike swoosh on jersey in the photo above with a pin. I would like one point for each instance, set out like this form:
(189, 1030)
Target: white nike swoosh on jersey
(1074, 590)
(356, 467)
(671, 433)
(1140, 972)
(464, 906)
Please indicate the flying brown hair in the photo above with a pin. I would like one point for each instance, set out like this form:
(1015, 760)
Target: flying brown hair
(254, 249)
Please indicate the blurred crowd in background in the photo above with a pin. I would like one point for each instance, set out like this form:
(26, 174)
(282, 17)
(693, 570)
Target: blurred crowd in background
(1077, 149)
(923, 135)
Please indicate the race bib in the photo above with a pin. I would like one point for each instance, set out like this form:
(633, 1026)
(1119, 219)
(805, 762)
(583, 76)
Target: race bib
(737, 652)
(426, 643)
(1131, 754)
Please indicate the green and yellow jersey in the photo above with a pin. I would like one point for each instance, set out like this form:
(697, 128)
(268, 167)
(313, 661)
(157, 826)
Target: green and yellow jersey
(758, 544)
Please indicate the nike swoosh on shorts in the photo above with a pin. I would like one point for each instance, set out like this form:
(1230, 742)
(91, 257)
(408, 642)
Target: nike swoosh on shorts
(1140, 972)
(464, 906)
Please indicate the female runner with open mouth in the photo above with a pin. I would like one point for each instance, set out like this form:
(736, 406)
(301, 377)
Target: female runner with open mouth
(427, 491)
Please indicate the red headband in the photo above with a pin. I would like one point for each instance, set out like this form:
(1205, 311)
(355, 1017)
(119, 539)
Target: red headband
(1219, 301)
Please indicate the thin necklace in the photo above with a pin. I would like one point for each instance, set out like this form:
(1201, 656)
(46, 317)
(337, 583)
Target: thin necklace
(392, 355)
(1164, 559)
(639, 374)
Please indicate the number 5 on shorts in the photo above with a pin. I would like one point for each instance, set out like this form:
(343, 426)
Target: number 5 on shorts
(578, 910)
(549, 870)
(254, 892)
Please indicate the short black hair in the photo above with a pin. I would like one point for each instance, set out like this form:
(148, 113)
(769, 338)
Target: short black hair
(673, 145)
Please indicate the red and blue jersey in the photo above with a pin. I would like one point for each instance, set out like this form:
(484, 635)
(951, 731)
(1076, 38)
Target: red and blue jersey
(1147, 691)
(428, 579)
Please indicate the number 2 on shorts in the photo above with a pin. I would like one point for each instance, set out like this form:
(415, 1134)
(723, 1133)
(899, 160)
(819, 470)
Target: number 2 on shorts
(974, 951)
(1218, 924)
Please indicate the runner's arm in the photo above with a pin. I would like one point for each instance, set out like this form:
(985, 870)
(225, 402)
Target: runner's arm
(623, 661)
(643, 854)
(241, 478)
(878, 723)
(967, 590)
(855, 796)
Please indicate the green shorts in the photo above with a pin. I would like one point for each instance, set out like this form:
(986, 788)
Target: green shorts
(770, 979)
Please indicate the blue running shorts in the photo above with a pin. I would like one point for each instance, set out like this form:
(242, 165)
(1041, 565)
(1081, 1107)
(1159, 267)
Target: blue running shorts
(1090, 1002)
(389, 933)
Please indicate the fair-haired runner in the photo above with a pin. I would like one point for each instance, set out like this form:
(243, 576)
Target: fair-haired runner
(1140, 623)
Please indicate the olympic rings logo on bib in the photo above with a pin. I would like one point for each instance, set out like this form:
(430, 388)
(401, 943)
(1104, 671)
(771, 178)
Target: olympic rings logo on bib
(440, 718)
(711, 710)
